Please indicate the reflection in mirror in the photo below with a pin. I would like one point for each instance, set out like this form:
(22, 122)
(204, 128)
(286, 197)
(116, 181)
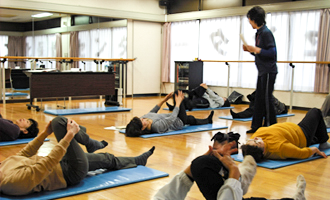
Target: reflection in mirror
(57, 35)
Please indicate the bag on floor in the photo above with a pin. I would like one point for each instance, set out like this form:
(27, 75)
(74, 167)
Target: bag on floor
(235, 98)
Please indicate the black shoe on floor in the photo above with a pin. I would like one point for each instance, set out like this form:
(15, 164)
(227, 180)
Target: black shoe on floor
(251, 131)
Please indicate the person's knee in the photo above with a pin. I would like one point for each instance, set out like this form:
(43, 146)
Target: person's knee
(199, 164)
(205, 171)
(58, 121)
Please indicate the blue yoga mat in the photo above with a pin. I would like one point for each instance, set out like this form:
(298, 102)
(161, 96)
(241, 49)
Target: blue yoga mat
(202, 109)
(250, 118)
(98, 182)
(18, 141)
(86, 110)
(9, 94)
(328, 130)
(24, 89)
(273, 164)
(186, 129)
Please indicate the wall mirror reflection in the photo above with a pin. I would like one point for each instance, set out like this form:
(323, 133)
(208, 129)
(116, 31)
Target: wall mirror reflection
(25, 33)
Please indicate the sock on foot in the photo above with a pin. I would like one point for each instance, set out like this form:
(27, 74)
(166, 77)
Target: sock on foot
(209, 118)
(325, 145)
(233, 114)
(170, 107)
(300, 190)
(248, 169)
(142, 159)
(94, 145)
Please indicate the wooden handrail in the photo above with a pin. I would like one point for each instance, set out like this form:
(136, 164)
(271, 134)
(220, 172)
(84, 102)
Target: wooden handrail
(22, 58)
(291, 64)
(240, 61)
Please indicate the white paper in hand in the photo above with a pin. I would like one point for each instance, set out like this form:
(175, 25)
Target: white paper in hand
(243, 39)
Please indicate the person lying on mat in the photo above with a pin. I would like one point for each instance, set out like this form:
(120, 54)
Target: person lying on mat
(153, 122)
(21, 128)
(326, 111)
(218, 177)
(216, 174)
(202, 97)
(280, 108)
(289, 140)
(66, 165)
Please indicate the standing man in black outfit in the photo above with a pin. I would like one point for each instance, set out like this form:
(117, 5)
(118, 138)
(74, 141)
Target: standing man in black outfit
(265, 60)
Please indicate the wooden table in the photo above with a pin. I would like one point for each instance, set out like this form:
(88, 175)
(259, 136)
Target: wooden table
(68, 84)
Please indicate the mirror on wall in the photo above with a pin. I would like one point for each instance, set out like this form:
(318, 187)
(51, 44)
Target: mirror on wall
(44, 34)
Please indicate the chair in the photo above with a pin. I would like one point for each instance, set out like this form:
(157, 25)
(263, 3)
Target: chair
(8, 77)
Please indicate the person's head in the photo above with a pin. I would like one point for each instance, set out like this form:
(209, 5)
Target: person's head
(221, 138)
(256, 16)
(254, 147)
(134, 128)
(28, 128)
(137, 126)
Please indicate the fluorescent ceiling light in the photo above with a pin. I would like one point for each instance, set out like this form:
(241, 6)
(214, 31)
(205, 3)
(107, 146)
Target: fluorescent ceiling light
(42, 15)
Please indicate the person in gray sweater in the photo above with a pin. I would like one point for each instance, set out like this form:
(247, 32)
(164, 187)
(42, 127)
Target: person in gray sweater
(153, 122)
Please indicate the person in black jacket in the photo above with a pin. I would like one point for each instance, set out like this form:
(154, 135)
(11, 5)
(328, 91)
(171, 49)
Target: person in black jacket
(201, 97)
(280, 108)
(265, 59)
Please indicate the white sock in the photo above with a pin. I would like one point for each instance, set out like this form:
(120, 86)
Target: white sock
(300, 190)
(248, 169)
(325, 145)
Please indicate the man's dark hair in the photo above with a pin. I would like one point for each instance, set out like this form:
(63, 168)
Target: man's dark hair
(133, 128)
(33, 130)
(254, 151)
(258, 15)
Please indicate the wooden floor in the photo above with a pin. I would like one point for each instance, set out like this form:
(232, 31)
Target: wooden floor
(173, 153)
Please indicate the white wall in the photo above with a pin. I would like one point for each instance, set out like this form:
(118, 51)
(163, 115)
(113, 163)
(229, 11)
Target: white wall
(146, 47)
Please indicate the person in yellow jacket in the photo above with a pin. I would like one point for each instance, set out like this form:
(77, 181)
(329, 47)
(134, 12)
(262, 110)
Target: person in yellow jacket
(289, 140)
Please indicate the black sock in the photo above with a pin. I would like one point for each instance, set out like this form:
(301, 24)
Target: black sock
(142, 159)
(233, 114)
(170, 107)
(209, 118)
(94, 145)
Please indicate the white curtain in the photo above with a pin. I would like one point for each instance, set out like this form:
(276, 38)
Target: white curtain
(3, 47)
(219, 40)
(247, 72)
(102, 43)
(41, 46)
(295, 36)
(119, 42)
(85, 50)
(184, 42)
(303, 45)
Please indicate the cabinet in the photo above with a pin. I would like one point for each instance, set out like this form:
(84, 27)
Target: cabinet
(19, 78)
(188, 75)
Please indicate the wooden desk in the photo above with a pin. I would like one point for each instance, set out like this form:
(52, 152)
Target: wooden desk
(67, 84)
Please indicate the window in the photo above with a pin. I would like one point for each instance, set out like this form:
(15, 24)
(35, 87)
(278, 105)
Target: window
(102, 43)
(40, 46)
(4, 47)
(184, 43)
(295, 36)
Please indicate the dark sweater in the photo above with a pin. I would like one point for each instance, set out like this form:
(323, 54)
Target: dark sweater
(267, 58)
(8, 130)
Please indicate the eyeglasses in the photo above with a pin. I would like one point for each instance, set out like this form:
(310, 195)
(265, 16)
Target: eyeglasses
(255, 141)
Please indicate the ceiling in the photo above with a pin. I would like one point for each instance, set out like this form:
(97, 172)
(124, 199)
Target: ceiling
(23, 16)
